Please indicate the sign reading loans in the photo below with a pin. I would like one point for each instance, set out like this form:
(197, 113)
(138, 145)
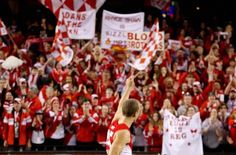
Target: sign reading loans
(80, 25)
(115, 27)
(182, 135)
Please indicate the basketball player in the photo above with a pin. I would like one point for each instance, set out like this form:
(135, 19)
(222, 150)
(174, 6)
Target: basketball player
(119, 141)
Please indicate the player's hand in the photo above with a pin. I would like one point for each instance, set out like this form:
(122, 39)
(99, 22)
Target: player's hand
(130, 81)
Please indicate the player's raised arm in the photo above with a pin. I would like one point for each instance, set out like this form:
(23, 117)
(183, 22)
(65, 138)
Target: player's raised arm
(129, 86)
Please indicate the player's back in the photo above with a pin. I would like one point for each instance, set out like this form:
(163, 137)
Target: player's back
(114, 127)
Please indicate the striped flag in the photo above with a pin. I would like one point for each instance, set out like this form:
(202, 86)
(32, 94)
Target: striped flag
(61, 50)
(75, 5)
(3, 29)
(149, 49)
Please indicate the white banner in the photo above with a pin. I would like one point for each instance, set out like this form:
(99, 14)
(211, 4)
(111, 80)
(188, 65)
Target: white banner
(182, 135)
(80, 25)
(174, 44)
(136, 41)
(116, 26)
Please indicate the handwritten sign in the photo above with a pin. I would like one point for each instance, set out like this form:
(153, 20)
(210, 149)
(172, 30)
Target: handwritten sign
(115, 27)
(182, 135)
(80, 25)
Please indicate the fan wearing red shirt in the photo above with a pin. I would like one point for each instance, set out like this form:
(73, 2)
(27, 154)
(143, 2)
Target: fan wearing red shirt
(153, 133)
(86, 124)
(119, 141)
(103, 124)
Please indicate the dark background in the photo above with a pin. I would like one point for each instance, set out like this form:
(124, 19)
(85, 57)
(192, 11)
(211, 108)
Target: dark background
(211, 11)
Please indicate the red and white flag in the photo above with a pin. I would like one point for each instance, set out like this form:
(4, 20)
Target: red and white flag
(3, 29)
(149, 50)
(61, 50)
(75, 5)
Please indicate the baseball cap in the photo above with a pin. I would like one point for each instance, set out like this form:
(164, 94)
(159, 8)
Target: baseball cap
(17, 100)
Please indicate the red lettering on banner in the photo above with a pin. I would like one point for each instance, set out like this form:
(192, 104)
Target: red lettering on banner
(72, 16)
(83, 16)
(133, 44)
(65, 14)
(136, 36)
(73, 24)
(144, 36)
(130, 36)
(73, 31)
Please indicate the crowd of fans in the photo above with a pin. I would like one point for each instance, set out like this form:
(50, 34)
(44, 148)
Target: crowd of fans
(47, 106)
